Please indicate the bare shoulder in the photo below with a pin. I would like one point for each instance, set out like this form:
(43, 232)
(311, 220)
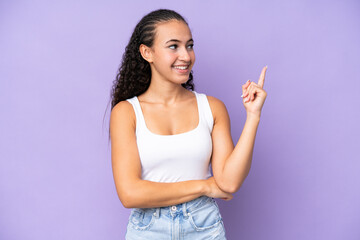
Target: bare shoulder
(213, 101)
(122, 114)
(122, 107)
(218, 107)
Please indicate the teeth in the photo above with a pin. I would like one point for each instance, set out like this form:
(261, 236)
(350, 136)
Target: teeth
(181, 67)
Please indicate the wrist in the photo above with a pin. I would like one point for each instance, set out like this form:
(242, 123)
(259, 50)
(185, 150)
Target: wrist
(253, 116)
(204, 190)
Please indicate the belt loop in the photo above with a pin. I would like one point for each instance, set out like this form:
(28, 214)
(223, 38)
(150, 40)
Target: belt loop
(157, 212)
(184, 209)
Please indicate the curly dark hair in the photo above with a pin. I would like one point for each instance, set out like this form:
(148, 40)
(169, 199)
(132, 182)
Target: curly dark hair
(134, 75)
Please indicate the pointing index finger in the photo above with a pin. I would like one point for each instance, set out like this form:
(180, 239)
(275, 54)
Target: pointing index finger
(262, 77)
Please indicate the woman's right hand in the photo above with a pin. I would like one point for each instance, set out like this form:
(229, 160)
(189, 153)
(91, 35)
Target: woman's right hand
(214, 191)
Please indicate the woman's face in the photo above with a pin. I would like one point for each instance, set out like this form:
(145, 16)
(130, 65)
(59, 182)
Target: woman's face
(172, 52)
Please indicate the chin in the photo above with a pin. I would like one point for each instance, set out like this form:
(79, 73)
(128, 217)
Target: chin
(180, 79)
(183, 81)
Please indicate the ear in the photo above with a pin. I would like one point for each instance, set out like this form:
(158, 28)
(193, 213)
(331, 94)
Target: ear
(146, 53)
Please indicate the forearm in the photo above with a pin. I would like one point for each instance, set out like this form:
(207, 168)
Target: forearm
(148, 194)
(237, 165)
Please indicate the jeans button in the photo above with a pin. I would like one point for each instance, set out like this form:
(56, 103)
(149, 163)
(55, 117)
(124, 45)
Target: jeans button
(173, 208)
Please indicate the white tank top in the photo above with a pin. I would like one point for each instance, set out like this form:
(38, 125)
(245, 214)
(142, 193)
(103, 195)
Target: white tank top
(179, 157)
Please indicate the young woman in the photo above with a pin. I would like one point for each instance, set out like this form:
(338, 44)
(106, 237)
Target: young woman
(164, 135)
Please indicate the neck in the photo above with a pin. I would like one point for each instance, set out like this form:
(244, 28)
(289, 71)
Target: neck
(164, 92)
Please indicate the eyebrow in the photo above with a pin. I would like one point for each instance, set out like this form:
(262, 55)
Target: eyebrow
(176, 40)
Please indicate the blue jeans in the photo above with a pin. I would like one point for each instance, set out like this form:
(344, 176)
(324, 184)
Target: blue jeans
(197, 219)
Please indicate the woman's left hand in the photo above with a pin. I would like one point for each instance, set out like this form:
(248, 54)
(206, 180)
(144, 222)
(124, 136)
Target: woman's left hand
(254, 95)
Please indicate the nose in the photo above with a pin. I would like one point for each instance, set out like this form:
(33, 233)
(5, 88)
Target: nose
(184, 55)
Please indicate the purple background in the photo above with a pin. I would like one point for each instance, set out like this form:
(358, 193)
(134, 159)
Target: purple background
(57, 64)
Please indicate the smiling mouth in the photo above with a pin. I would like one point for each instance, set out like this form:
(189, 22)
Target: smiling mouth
(182, 67)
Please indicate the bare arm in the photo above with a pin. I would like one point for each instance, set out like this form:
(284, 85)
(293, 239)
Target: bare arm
(134, 192)
(232, 165)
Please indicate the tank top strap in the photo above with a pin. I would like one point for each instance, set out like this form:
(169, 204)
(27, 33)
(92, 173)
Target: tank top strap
(205, 110)
(140, 120)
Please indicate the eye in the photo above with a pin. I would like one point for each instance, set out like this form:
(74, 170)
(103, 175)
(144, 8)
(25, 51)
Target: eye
(173, 46)
(190, 46)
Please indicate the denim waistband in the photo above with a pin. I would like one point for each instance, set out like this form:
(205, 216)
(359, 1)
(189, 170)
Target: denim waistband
(183, 208)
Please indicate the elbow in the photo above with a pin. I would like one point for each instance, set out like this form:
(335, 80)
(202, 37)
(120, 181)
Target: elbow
(127, 206)
(129, 194)
(229, 187)
(127, 202)
(127, 198)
